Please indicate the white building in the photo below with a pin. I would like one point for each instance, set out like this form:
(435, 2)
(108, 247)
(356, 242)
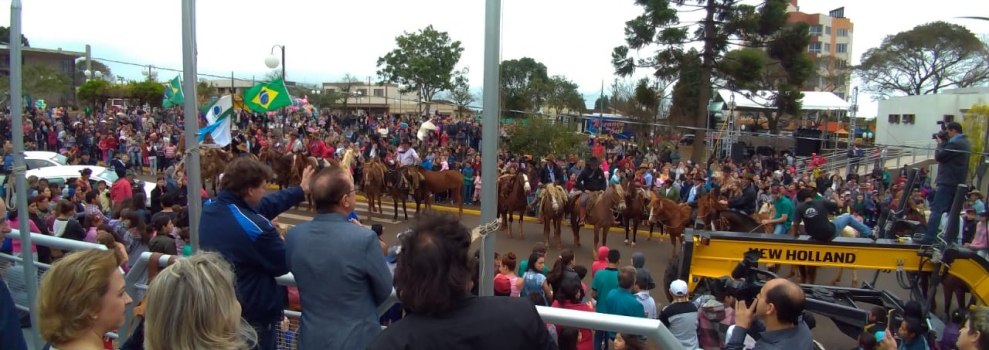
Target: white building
(910, 120)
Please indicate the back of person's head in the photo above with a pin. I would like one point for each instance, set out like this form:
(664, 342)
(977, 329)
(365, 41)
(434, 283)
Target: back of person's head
(787, 300)
(956, 126)
(581, 271)
(642, 282)
(565, 259)
(805, 193)
(614, 256)
(209, 316)
(570, 290)
(567, 338)
(509, 261)
(164, 244)
(879, 313)
(539, 247)
(328, 188)
(626, 277)
(631, 341)
(432, 272)
(66, 207)
(243, 174)
(167, 200)
(73, 292)
(537, 299)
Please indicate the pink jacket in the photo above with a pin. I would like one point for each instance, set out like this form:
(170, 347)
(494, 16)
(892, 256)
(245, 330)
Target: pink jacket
(16, 242)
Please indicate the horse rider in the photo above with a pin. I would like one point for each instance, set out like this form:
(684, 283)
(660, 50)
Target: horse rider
(640, 181)
(372, 149)
(295, 145)
(408, 160)
(694, 194)
(590, 181)
(745, 202)
(317, 148)
(551, 173)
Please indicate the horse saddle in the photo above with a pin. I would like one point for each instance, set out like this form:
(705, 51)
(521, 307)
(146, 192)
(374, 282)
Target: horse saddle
(592, 198)
(320, 163)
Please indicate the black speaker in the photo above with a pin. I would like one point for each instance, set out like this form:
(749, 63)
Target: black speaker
(808, 142)
(738, 152)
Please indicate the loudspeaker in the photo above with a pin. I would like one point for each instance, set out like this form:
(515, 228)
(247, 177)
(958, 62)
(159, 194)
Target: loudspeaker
(738, 152)
(808, 142)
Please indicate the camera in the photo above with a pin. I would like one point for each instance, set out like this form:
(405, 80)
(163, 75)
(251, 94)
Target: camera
(744, 284)
(943, 133)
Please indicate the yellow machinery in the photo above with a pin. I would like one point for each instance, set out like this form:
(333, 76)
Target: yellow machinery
(707, 256)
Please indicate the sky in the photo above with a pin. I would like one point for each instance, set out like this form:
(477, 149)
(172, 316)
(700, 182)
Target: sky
(325, 40)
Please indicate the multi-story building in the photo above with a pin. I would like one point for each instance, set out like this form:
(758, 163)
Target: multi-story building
(386, 98)
(61, 61)
(910, 120)
(831, 48)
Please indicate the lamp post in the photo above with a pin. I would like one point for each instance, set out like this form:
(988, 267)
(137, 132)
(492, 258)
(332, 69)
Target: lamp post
(273, 62)
(316, 92)
(90, 75)
(851, 125)
(151, 73)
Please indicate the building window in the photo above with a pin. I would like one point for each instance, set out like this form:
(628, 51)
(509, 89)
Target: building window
(827, 47)
(909, 118)
(379, 92)
(840, 64)
(815, 30)
(894, 119)
(842, 32)
(827, 30)
(331, 91)
(814, 47)
(841, 48)
(362, 92)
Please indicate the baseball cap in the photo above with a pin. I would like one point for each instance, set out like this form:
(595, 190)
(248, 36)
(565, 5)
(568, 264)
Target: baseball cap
(502, 285)
(393, 252)
(678, 288)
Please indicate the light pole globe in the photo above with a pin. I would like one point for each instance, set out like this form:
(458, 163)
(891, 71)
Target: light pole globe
(272, 61)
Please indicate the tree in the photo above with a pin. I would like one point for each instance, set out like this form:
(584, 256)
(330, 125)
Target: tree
(98, 66)
(834, 73)
(524, 86)
(975, 124)
(460, 94)
(5, 37)
(925, 60)
(530, 136)
(723, 21)
(422, 63)
(147, 92)
(781, 69)
(687, 90)
(38, 80)
(603, 103)
(272, 75)
(565, 95)
(346, 87)
(204, 91)
(95, 92)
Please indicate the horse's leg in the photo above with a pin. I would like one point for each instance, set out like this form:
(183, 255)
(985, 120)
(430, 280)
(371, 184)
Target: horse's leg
(405, 208)
(507, 219)
(576, 229)
(458, 195)
(625, 224)
(521, 218)
(394, 202)
(635, 229)
(546, 227)
(837, 279)
(557, 228)
(855, 278)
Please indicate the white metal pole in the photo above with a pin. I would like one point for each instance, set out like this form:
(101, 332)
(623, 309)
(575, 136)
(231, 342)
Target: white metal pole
(191, 118)
(491, 119)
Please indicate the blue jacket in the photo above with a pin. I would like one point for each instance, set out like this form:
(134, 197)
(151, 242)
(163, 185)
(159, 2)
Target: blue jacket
(10, 325)
(247, 239)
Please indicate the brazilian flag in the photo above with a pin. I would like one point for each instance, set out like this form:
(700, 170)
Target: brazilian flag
(267, 96)
(173, 93)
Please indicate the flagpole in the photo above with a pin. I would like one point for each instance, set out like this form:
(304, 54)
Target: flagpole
(191, 119)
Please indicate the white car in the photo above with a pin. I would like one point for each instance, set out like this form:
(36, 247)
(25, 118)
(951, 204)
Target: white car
(61, 174)
(43, 159)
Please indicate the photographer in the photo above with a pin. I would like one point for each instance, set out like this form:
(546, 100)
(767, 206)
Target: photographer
(952, 156)
(773, 319)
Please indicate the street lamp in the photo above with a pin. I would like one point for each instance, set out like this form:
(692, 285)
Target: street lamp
(151, 73)
(273, 62)
(92, 74)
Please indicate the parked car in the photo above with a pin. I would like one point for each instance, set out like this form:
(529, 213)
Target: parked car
(43, 159)
(61, 174)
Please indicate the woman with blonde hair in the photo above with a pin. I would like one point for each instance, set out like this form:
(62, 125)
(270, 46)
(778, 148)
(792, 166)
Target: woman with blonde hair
(210, 316)
(81, 298)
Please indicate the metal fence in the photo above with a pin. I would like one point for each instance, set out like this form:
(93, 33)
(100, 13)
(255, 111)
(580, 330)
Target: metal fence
(136, 280)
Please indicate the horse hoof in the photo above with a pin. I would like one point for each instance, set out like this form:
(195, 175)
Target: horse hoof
(855, 284)
(649, 238)
(626, 242)
(633, 244)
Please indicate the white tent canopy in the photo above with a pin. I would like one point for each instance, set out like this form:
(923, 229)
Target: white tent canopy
(762, 99)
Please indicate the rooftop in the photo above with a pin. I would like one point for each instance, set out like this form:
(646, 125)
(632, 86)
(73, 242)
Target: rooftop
(59, 51)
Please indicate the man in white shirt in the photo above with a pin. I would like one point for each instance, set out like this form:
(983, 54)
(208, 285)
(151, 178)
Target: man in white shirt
(408, 161)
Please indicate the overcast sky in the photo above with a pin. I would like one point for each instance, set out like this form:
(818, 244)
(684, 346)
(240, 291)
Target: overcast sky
(327, 39)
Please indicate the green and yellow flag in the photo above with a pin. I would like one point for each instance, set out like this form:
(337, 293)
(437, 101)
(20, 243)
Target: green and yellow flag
(268, 96)
(173, 93)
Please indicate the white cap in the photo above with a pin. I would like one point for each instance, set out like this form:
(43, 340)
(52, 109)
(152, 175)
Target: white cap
(678, 288)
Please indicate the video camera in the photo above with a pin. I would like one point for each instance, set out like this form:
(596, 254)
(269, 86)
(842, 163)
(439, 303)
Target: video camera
(943, 133)
(744, 283)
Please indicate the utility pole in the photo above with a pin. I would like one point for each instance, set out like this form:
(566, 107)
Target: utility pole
(490, 122)
(191, 112)
(851, 126)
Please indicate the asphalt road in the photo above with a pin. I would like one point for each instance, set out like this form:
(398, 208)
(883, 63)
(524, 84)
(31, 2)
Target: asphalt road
(657, 254)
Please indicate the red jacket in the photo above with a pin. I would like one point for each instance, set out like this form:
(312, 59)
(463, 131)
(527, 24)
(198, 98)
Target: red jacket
(317, 148)
(120, 191)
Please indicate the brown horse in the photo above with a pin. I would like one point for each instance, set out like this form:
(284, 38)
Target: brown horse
(601, 214)
(212, 162)
(717, 216)
(374, 186)
(288, 168)
(671, 215)
(512, 189)
(635, 210)
(441, 181)
(552, 201)
(397, 191)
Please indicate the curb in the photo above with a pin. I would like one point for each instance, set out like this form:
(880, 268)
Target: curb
(475, 212)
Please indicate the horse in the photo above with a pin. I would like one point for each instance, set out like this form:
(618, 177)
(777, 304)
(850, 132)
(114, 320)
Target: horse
(601, 214)
(552, 201)
(394, 188)
(635, 208)
(374, 183)
(288, 168)
(212, 162)
(512, 190)
(719, 218)
(440, 181)
(673, 216)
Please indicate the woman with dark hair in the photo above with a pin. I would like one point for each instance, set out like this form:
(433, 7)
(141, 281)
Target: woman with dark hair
(562, 269)
(433, 283)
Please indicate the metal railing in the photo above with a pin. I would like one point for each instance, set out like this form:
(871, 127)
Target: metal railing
(136, 285)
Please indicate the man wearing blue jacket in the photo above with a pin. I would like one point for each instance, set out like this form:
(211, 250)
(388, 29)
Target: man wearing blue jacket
(237, 224)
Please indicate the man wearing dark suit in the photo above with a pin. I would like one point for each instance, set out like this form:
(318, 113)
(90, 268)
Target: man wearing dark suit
(550, 173)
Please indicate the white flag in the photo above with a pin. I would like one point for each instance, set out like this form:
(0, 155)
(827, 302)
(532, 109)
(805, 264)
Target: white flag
(219, 120)
(223, 106)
